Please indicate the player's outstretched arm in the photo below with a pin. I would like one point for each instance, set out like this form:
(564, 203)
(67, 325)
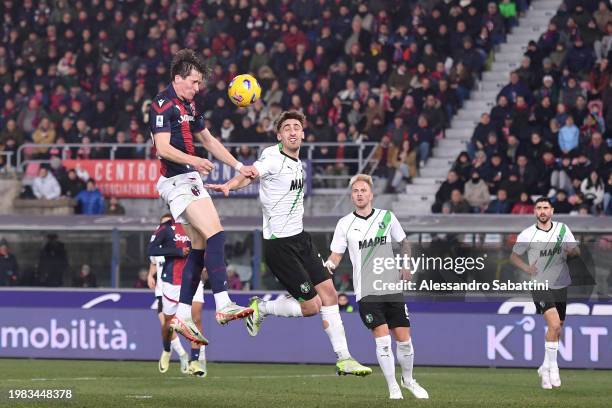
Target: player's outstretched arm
(333, 261)
(168, 152)
(239, 181)
(219, 152)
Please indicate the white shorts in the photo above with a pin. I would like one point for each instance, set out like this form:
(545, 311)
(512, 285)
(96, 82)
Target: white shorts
(171, 294)
(180, 191)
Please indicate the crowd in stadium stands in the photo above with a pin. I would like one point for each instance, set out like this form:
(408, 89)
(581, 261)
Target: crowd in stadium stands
(550, 132)
(388, 71)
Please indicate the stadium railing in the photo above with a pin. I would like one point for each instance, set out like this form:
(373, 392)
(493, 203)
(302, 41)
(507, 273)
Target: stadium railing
(358, 156)
(120, 242)
(6, 164)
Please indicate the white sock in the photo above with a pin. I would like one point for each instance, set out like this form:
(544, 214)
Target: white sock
(176, 345)
(550, 353)
(183, 311)
(202, 353)
(283, 306)
(384, 354)
(221, 299)
(335, 331)
(405, 356)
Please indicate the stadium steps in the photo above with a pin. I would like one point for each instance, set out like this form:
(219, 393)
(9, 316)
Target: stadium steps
(420, 194)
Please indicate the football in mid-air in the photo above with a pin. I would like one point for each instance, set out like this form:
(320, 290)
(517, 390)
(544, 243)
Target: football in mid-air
(244, 90)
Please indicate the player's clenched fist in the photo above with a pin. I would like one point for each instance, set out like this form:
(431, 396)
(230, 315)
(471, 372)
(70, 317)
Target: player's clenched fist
(249, 172)
(202, 165)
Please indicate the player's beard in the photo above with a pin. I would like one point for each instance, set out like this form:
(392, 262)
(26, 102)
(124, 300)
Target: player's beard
(543, 219)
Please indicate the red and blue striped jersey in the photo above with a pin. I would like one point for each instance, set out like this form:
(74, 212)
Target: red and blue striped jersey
(168, 113)
(168, 241)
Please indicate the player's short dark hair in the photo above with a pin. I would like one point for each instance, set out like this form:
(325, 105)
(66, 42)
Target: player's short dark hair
(184, 61)
(543, 200)
(286, 115)
(165, 215)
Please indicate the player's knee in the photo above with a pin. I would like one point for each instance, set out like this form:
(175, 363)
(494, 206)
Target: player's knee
(328, 294)
(555, 328)
(311, 307)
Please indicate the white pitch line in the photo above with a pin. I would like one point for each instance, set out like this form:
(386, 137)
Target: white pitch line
(139, 396)
(258, 377)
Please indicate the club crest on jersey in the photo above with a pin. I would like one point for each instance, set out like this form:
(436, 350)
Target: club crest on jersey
(369, 318)
(297, 184)
(367, 243)
(195, 190)
(305, 287)
(382, 225)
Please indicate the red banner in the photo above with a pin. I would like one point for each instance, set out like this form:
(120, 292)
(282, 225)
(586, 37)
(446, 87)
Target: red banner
(121, 178)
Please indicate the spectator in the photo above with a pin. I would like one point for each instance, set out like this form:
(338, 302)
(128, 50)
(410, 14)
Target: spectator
(52, 262)
(477, 193)
(44, 134)
(343, 303)
(424, 138)
(233, 280)
(512, 186)
(45, 185)
(458, 205)
(405, 165)
(114, 207)
(608, 196)
(463, 166)
(524, 205)
(569, 136)
(593, 190)
(85, 278)
(71, 185)
(141, 279)
(443, 195)
(90, 200)
(9, 269)
(501, 205)
(561, 205)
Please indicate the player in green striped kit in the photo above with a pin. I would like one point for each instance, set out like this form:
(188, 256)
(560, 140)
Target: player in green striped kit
(288, 249)
(368, 232)
(548, 244)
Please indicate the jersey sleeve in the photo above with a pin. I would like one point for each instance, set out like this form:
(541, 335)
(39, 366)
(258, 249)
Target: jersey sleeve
(339, 241)
(521, 245)
(397, 232)
(568, 240)
(160, 116)
(264, 164)
(159, 244)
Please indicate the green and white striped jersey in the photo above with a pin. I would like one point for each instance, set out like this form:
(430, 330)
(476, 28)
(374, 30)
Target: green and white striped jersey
(281, 193)
(548, 251)
(364, 236)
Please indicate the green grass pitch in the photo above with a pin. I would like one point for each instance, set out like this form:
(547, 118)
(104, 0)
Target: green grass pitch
(139, 384)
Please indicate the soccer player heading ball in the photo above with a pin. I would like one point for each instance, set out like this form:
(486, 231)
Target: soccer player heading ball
(176, 125)
(548, 244)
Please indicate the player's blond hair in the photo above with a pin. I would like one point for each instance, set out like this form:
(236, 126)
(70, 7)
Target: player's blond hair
(361, 177)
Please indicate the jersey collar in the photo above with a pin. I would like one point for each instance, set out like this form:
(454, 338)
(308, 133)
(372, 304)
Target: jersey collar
(361, 216)
(287, 156)
(172, 93)
(548, 230)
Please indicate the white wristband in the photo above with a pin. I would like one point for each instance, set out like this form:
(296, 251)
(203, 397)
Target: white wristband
(238, 166)
(329, 265)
